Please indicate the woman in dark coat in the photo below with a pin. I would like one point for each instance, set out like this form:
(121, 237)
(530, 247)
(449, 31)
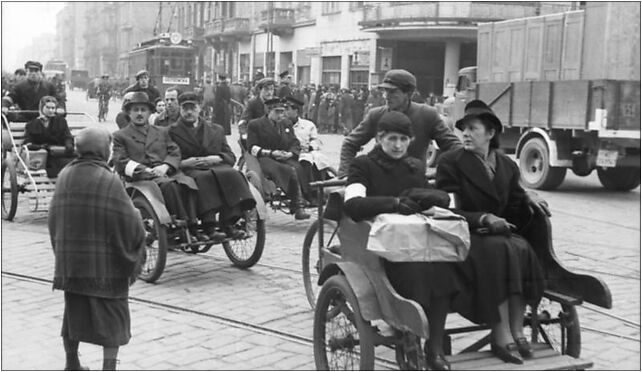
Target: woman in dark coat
(375, 184)
(501, 264)
(50, 132)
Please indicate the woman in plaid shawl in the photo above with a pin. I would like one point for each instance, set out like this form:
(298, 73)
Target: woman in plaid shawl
(98, 241)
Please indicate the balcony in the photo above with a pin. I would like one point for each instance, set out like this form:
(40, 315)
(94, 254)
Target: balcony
(236, 27)
(279, 21)
(193, 33)
(213, 28)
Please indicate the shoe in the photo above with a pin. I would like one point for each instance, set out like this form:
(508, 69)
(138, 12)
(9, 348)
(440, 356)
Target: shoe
(197, 235)
(437, 362)
(76, 368)
(507, 353)
(524, 348)
(300, 214)
(234, 234)
(216, 236)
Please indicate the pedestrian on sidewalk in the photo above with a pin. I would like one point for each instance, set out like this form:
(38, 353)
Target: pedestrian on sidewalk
(98, 240)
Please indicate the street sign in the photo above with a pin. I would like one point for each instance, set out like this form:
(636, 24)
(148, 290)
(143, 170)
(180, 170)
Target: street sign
(175, 80)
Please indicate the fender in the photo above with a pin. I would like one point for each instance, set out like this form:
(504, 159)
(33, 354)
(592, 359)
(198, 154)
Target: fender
(261, 209)
(360, 284)
(553, 158)
(152, 193)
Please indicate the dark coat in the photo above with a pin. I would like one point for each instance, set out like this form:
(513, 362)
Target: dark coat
(221, 106)
(272, 136)
(220, 187)
(27, 95)
(283, 90)
(165, 119)
(56, 134)
(151, 91)
(255, 109)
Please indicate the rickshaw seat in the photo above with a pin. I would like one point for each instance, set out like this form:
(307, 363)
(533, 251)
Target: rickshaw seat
(401, 313)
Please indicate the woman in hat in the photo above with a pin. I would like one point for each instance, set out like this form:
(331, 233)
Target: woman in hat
(50, 132)
(501, 264)
(388, 180)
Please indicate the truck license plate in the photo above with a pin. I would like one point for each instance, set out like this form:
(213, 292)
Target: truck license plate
(607, 158)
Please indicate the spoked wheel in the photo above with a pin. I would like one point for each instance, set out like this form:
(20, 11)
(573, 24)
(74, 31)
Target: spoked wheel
(311, 262)
(9, 189)
(559, 327)
(343, 340)
(246, 252)
(409, 354)
(155, 241)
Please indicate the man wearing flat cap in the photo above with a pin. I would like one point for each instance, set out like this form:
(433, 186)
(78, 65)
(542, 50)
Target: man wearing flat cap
(273, 142)
(26, 95)
(144, 152)
(284, 89)
(398, 87)
(98, 241)
(143, 84)
(206, 157)
(222, 104)
(255, 107)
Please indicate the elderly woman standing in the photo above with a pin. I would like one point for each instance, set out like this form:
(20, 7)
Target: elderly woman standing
(50, 132)
(376, 183)
(501, 265)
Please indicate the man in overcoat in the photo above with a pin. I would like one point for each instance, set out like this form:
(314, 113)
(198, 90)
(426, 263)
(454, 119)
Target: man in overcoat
(208, 158)
(277, 149)
(222, 104)
(26, 94)
(98, 241)
(144, 152)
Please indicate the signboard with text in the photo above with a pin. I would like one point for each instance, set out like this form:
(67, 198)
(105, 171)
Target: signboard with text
(175, 80)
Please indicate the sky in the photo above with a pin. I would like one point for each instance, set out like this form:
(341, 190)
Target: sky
(21, 23)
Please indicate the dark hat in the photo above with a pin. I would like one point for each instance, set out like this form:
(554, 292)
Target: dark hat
(395, 121)
(399, 79)
(105, 76)
(294, 101)
(263, 82)
(139, 98)
(275, 103)
(479, 109)
(284, 74)
(33, 64)
(188, 97)
(140, 73)
(222, 76)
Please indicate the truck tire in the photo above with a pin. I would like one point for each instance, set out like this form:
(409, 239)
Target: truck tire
(534, 165)
(619, 179)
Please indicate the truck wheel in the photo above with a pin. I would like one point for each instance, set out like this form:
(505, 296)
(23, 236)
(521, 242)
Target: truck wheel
(536, 170)
(619, 179)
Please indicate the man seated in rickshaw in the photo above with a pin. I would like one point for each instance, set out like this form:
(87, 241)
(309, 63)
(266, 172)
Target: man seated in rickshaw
(208, 158)
(502, 266)
(50, 134)
(146, 152)
(314, 163)
(276, 147)
(375, 185)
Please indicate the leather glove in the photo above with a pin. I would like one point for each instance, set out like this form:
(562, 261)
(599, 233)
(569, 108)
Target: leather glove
(407, 206)
(497, 225)
(534, 201)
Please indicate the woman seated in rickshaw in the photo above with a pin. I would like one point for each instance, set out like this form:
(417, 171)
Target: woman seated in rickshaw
(208, 159)
(375, 184)
(501, 264)
(50, 132)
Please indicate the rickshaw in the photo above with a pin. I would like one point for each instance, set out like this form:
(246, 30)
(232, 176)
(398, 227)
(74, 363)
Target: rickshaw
(18, 173)
(164, 232)
(357, 303)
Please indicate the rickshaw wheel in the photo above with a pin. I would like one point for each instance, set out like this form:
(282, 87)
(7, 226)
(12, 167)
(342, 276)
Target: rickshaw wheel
(342, 339)
(246, 252)
(312, 266)
(9, 189)
(409, 354)
(155, 241)
(559, 327)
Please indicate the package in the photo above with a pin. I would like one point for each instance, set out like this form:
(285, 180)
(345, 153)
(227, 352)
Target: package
(436, 235)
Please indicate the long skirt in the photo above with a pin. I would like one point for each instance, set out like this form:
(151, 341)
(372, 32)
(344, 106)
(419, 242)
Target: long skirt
(99, 321)
(496, 268)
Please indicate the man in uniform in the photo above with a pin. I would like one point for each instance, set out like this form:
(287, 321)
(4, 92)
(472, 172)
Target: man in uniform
(273, 142)
(398, 87)
(284, 89)
(172, 112)
(142, 84)
(26, 95)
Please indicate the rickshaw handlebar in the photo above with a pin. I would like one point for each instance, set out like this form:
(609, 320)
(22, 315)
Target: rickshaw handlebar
(329, 183)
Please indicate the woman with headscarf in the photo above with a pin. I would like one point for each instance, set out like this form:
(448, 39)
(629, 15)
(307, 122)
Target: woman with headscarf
(50, 132)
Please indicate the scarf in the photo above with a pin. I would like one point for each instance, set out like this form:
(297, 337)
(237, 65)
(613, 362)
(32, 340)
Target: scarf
(386, 162)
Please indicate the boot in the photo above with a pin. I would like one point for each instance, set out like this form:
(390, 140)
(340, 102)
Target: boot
(297, 208)
(73, 363)
(109, 364)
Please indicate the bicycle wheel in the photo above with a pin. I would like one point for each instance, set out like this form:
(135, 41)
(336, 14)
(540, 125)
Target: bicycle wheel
(311, 266)
(9, 189)
(155, 241)
(246, 252)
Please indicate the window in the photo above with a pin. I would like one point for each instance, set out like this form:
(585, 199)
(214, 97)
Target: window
(330, 7)
(331, 70)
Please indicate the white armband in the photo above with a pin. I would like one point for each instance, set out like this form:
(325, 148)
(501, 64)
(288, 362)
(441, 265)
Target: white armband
(130, 168)
(255, 151)
(354, 190)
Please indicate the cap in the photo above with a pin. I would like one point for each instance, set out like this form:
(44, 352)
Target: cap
(139, 98)
(479, 109)
(293, 101)
(33, 64)
(105, 76)
(399, 79)
(395, 121)
(222, 76)
(284, 74)
(140, 73)
(275, 103)
(188, 97)
(264, 82)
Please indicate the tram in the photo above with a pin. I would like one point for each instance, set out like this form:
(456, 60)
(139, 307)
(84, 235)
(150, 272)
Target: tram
(169, 60)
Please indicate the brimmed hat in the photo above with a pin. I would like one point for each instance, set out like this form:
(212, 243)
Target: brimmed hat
(399, 79)
(265, 81)
(140, 73)
(33, 64)
(222, 76)
(275, 103)
(187, 97)
(478, 109)
(395, 121)
(284, 74)
(294, 101)
(139, 98)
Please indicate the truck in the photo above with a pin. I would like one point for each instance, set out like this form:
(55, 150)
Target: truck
(79, 79)
(566, 87)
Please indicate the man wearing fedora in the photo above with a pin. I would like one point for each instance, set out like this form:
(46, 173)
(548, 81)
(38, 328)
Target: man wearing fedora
(26, 95)
(398, 87)
(143, 84)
